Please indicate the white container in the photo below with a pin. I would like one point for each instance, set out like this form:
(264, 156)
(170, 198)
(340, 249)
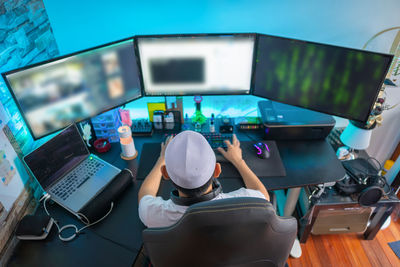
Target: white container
(127, 145)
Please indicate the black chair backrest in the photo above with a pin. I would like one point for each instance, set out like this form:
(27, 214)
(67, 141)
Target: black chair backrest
(228, 232)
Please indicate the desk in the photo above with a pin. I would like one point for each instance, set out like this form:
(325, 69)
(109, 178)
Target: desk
(306, 162)
(117, 240)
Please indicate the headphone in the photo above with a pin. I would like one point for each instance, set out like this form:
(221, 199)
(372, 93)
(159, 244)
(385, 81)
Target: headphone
(370, 189)
(187, 201)
(364, 180)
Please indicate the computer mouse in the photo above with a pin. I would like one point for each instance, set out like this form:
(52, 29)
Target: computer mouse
(262, 150)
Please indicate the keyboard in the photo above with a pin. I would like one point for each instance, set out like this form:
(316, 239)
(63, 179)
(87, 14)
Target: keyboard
(76, 178)
(214, 139)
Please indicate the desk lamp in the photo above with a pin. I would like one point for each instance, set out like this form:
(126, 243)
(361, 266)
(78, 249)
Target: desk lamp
(355, 136)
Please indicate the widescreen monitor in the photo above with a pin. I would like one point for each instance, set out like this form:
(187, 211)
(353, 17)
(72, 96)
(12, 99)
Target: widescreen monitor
(56, 93)
(196, 64)
(330, 79)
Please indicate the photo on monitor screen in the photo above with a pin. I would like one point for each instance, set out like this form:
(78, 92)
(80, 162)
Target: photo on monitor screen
(335, 80)
(196, 64)
(69, 89)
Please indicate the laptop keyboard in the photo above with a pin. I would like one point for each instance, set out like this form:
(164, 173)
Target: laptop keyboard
(76, 178)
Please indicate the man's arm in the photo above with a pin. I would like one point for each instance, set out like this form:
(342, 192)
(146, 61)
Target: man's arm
(151, 183)
(234, 155)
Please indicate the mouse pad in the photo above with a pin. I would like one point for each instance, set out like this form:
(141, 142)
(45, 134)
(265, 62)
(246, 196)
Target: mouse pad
(272, 166)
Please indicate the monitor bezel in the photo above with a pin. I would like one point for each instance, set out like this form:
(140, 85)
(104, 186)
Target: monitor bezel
(5, 74)
(246, 34)
(336, 46)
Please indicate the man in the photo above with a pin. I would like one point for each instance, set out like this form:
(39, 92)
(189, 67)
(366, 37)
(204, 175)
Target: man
(189, 161)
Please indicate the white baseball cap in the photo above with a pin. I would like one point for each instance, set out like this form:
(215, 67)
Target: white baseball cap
(189, 160)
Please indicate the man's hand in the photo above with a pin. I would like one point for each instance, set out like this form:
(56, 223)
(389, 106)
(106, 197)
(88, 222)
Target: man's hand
(234, 155)
(233, 152)
(152, 181)
(163, 148)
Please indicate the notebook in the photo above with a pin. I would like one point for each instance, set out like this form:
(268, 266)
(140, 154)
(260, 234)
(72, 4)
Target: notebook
(67, 171)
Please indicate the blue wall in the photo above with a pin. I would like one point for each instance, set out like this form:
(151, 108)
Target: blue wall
(83, 24)
(25, 38)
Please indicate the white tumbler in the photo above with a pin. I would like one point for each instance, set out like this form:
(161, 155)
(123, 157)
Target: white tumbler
(127, 146)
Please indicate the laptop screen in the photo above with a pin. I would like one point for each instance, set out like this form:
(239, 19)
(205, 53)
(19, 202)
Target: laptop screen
(57, 156)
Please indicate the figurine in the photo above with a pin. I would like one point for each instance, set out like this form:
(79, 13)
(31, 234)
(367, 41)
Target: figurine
(87, 133)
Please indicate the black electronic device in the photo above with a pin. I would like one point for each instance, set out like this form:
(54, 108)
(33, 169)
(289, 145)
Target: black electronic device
(55, 93)
(142, 127)
(286, 122)
(196, 64)
(67, 172)
(262, 150)
(228, 128)
(214, 139)
(363, 180)
(34, 227)
(217, 139)
(187, 201)
(331, 79)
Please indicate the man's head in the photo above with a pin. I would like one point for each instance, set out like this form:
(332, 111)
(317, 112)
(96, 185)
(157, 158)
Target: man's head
(190, 164)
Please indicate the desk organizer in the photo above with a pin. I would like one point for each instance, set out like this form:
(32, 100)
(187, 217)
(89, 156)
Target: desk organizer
(106, 125)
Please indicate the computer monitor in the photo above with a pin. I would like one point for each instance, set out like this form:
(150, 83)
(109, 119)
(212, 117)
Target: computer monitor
(58, 92)
(212, 64)
(330, 79)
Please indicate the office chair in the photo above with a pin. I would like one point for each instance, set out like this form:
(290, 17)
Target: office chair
(228, 232)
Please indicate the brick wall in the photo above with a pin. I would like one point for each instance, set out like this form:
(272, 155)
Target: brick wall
(25, 34)
(26, 37)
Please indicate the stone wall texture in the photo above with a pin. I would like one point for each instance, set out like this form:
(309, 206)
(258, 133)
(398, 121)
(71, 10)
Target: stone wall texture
(26, 37)
(25, 34)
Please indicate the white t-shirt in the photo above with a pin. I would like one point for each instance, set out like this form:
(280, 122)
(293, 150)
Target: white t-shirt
(157, 212)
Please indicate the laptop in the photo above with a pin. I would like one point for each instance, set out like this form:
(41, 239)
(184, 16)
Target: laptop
(67, 171)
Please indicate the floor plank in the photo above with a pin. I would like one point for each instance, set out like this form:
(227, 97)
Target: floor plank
(350, 250)
(358, 255)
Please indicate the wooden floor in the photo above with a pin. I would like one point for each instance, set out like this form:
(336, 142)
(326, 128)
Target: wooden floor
(350, 250)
